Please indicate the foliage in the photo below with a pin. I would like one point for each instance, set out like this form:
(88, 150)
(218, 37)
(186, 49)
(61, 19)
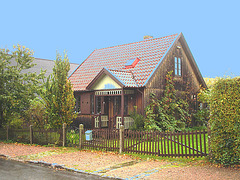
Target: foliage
(211, 81)
(58, 95)
(225, 121)
(17, 88)
(35, 115)
(201, 117)
(17, 121)
(138, 120)
(168, 113)
(205, 94)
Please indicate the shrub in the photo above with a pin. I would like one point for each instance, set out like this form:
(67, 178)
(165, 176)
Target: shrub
(138, 120)
(170, 113)
(225, 121)
(201, 117)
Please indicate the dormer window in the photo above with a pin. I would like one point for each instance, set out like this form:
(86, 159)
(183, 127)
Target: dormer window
(131, 63)
(178, 66)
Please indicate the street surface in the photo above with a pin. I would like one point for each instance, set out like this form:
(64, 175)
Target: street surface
(10, 170)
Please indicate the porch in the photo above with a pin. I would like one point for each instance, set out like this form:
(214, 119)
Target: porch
(112, 108)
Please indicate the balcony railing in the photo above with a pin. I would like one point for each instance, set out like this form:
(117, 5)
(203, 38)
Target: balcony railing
(104, 119)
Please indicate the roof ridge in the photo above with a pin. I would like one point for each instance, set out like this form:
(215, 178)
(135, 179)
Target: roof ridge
(42, 59)
(137, 42)
(133, 77)
(119, 70)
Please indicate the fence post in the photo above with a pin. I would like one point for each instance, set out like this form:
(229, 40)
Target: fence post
(209, 139)
(121, 139)
(7, 132)
(64, 134)
(81, 128)
(31, 134)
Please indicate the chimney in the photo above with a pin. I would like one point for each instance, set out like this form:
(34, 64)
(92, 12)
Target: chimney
(147, 37)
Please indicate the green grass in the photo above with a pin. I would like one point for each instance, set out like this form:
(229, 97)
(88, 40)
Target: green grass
(165, 146)
(72, 138)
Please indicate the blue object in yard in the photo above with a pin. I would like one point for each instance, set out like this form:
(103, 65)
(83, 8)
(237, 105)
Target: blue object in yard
(88, 135)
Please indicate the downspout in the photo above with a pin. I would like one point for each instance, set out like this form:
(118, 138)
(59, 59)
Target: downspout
(140, 92)
(122, 106)
(142, 100)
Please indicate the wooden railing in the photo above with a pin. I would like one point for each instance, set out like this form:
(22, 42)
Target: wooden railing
(128, 122)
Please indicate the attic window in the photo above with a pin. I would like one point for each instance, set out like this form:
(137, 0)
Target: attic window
(131, 63)
(178, 66)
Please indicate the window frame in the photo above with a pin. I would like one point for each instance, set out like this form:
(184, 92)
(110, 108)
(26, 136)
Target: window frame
(178, 66)
(91, 104)
(98, 104)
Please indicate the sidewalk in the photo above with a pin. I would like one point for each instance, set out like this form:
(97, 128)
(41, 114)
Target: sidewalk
(109, 164)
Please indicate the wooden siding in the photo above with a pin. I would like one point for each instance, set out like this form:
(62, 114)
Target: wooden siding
(189, 76)
(131, 102)
(139, 98)
(85, 101)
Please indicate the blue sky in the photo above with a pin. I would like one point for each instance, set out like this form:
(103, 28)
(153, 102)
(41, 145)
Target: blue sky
(211, 28)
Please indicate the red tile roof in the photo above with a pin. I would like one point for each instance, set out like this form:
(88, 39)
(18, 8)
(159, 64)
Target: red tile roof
(150, 53)
(126, 78)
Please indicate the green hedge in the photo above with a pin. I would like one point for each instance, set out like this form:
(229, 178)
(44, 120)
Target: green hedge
(225, 121)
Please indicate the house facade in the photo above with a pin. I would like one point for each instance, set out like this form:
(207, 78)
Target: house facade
(112, 81)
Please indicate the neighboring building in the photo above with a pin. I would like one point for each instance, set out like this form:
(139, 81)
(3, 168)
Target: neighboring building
(111, 81)
(45, 64)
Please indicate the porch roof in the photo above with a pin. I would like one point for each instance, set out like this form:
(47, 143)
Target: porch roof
(126, 78)
(122, 78)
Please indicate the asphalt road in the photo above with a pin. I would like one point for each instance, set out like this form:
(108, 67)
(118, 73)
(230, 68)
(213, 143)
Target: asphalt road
(10, 169)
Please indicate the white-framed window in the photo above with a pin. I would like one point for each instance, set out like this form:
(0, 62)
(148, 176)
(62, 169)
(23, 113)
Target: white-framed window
(178, 66)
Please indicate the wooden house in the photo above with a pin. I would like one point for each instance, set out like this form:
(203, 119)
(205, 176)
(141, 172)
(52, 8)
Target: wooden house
(111, 81)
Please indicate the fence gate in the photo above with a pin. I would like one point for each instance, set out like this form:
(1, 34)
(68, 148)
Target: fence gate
(170, 144)
(102, 139)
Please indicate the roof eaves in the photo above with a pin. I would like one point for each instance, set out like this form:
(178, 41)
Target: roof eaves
(165, 54)
(199, 75)
(73, 72)
(115, 77)
(108, 72)
(80, 64)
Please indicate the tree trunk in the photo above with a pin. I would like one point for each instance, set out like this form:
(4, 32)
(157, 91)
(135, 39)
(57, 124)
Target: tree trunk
(1, 118)
(60, 140)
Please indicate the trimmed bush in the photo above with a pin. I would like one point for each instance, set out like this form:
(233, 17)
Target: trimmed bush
(225, 122)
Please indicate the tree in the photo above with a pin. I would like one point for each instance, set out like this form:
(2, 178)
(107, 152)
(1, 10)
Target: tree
(17, 87)
(58, 96)
(168, 113)
(35, 115)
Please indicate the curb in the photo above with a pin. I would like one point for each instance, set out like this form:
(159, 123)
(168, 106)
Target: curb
(57, 166)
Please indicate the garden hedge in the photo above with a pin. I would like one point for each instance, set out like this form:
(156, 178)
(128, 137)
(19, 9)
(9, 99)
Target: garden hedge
(225, 121)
